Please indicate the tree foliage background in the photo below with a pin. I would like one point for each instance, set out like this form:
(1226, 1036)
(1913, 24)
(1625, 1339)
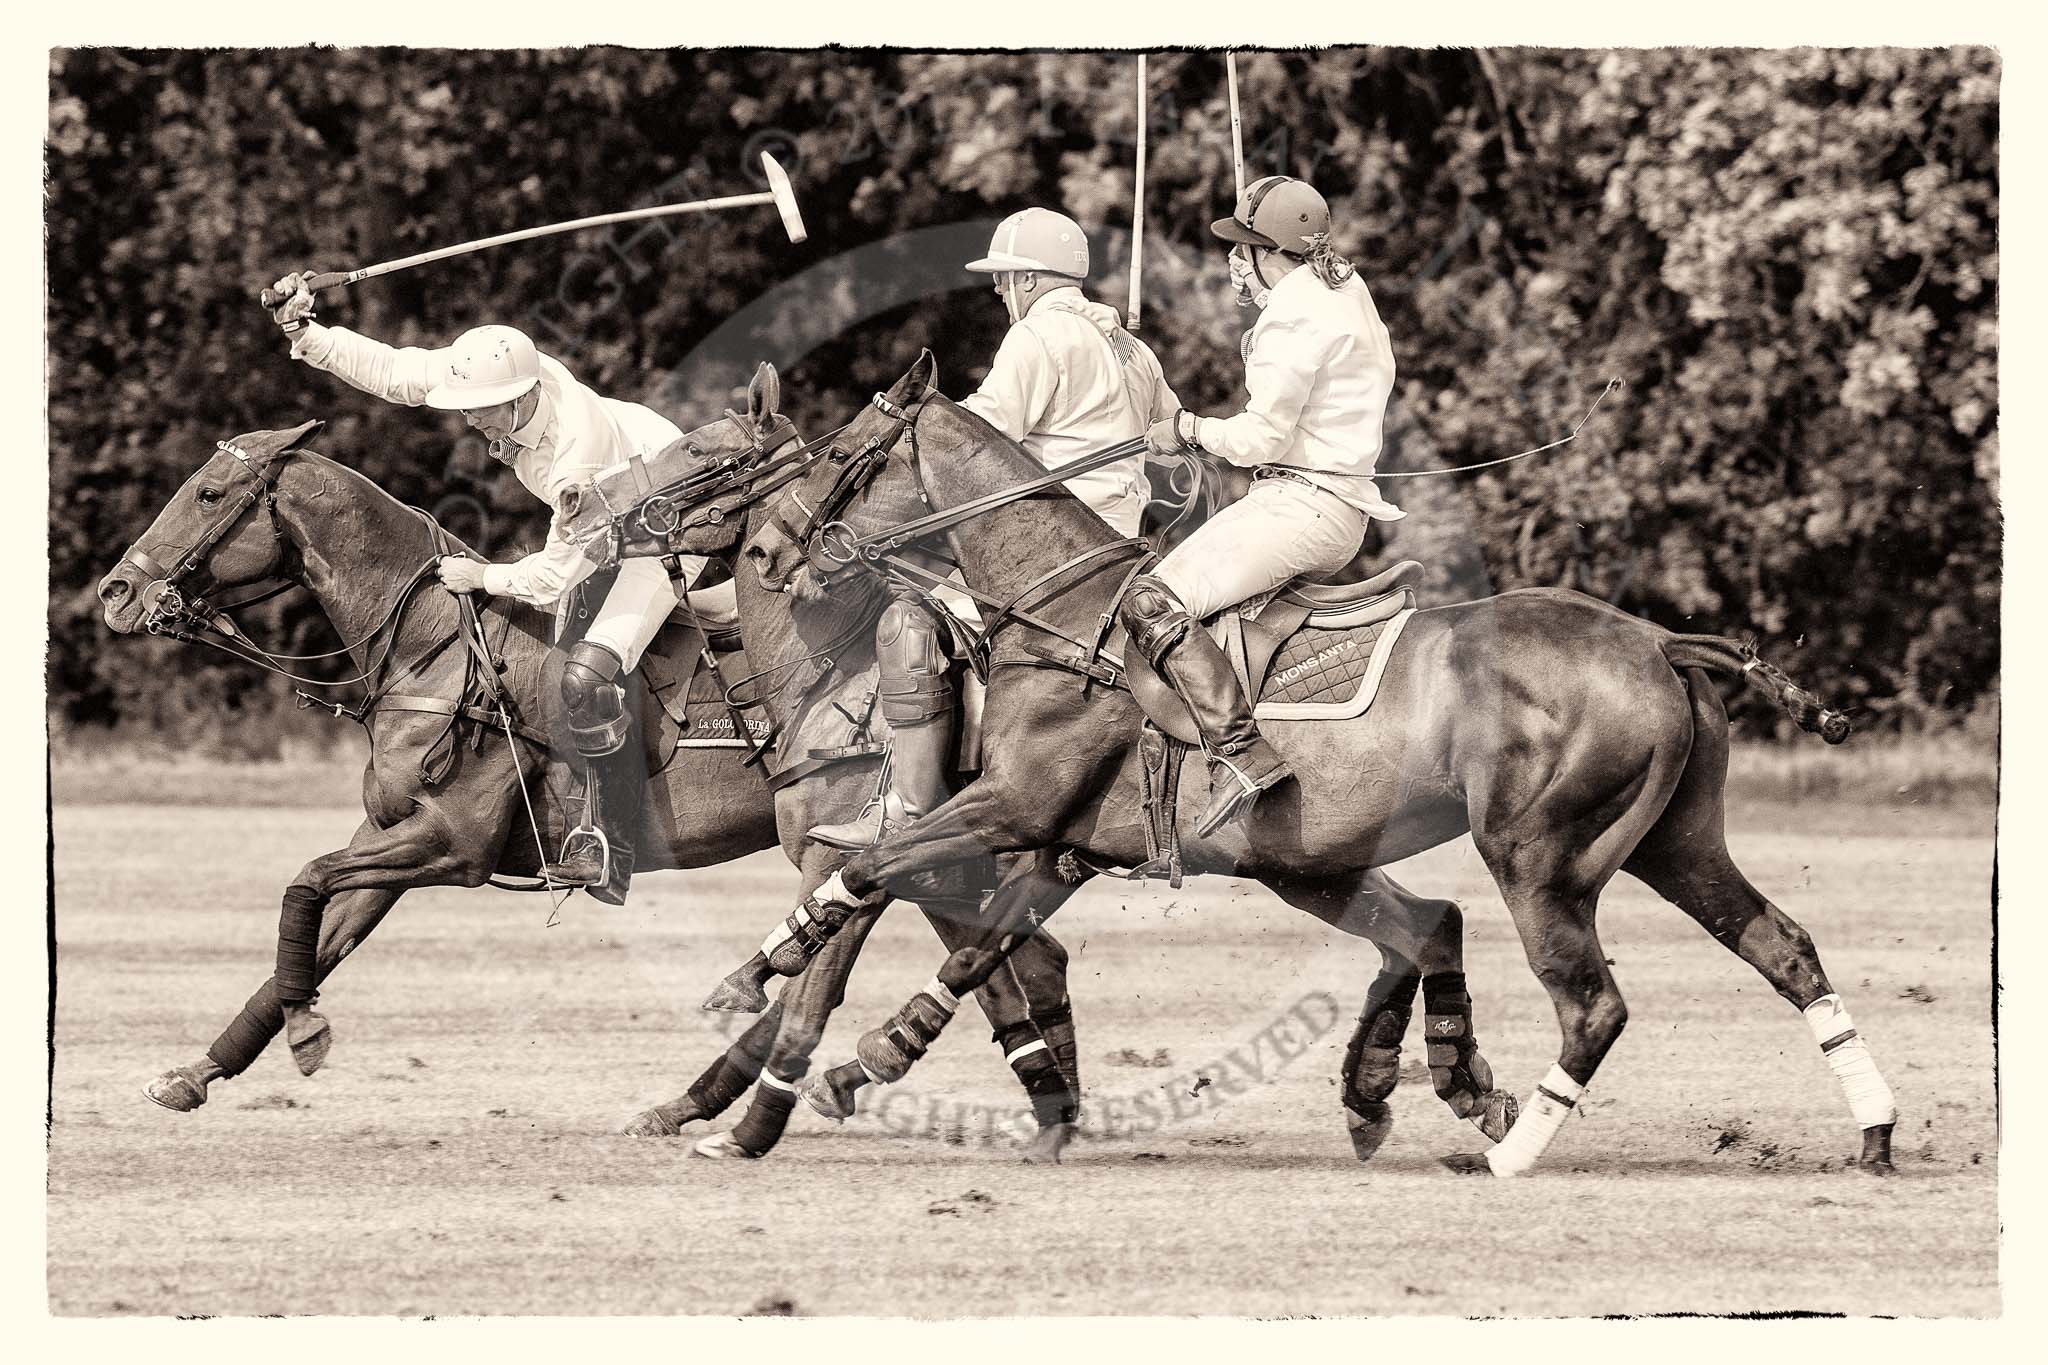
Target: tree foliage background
(1790, 257)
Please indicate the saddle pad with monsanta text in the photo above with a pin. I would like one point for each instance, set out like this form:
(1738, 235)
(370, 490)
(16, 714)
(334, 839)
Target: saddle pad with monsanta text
(1329, 674)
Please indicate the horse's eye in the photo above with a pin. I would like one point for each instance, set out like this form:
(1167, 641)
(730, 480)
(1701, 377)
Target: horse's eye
(209, 497)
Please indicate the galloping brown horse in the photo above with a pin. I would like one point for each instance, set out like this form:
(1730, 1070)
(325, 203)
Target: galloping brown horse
(1570, 739)
(1421, 939)
(443, 791)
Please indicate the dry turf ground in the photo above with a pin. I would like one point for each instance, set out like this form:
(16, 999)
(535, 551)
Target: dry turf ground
(459, 1155)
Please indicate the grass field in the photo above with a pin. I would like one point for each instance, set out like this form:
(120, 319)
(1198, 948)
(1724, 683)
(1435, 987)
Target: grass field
(459, 1156)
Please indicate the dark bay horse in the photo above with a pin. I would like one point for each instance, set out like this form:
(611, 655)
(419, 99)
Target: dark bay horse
(1569, 739)
(1420, 938)
(444, 802)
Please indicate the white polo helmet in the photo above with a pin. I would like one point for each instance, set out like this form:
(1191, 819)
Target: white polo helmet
(484, 367)
(1036, 239)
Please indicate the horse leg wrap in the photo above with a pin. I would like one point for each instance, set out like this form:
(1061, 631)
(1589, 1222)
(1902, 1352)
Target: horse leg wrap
(1870, 1099)
(1545, 1113)
(298, 943)
(794, 942)
(1031, 1057)
(1056, 1026)
(1372, 1063)
(244, 1039)
(1461, 1076)
(760, 1128)
(886, 1053)
(732, 1075)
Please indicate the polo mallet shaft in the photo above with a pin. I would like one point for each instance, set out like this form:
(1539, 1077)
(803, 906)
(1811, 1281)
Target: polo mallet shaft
(1138, 207)
(778, 193)
(1236, 125)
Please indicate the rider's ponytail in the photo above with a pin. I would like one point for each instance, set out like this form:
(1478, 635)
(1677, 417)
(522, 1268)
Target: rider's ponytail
(1322, 258)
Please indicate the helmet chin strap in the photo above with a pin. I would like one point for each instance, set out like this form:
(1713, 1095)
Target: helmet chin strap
(1013, 292)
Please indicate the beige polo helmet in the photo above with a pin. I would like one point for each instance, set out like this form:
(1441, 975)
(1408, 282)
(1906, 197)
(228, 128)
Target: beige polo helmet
(1279, 213)
(484, 367)
(1036, 239)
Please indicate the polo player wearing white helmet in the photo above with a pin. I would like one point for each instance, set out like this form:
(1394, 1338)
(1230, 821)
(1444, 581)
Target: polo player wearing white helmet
(1318, 371)
(1068, 380)
(554, 432)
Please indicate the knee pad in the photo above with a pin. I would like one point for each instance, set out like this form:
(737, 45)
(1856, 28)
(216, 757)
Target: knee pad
(595, 699)
(915, 687)
(1154, 616)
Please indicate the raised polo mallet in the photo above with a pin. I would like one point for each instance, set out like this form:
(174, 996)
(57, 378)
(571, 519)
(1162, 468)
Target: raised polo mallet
(778, 193)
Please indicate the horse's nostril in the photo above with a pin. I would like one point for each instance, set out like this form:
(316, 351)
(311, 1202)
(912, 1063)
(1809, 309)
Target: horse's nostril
(113, 591)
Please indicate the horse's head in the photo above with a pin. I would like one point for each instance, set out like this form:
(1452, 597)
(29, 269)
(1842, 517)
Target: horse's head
(864, 484)
(688, 498)
(220, 531)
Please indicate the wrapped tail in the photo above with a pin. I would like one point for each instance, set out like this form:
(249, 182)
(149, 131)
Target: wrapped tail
(1718, 654)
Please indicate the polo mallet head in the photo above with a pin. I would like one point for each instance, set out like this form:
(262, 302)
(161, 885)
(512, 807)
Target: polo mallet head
(785, 198)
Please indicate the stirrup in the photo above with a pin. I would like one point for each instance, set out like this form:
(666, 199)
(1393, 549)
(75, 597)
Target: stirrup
(1237, 798)
(604, 859)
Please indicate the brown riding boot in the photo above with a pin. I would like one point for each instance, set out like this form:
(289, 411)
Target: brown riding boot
(616, 788)
(1241, 763)
(918, 759)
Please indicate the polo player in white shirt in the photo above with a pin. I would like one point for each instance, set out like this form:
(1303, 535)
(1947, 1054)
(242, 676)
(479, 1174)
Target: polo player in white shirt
(1067, 380)
(554, 432)
(1318, 371)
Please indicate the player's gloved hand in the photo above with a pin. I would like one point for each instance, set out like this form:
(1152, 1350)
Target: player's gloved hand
(296, 309)
(460, 575)
(1171, 435)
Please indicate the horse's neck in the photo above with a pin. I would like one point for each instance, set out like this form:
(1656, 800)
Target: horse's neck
(776, 641)
(359, 546)
(1006, 549)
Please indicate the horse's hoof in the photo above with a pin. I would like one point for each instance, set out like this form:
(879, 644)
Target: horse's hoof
(1044, 1149)
(652, 1123)
(1497, 1113)
(737, 994)
(181, 1088)
(830, 1097)
(1876, 1158)
(310, 1037)
(1468, 1163)
(723, 1147)
(1369, 1129)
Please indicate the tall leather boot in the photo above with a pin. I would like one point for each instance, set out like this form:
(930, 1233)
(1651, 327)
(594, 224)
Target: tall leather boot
(1241, 764)
(617, 790)
(917, 701)
(919, 756)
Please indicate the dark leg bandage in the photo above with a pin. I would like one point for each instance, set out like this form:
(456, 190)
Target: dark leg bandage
(243, 1040)
(1447, 1025)
(760, 1128)
(733, 1073)
(298, 945)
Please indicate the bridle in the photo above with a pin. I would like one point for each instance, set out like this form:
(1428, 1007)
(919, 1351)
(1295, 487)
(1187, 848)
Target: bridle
(172, 613)
(828, 542)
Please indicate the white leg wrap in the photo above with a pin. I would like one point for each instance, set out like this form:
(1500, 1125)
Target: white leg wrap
(1870, 1099)
(833, 891)
(1037, 1045)
(946, 999)
(1542, 1115)
(775, 1082)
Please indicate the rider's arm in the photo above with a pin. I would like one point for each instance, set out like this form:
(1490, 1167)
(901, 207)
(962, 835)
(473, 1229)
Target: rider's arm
(540, 579)
(395, 374)
(1020, 385)
(1287, 354)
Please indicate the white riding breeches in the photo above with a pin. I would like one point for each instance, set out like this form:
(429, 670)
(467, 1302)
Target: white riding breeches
(1278, 531)
(634, 611)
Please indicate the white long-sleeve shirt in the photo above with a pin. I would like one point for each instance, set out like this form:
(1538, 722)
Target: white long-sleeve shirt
(1318, 374)
(574, 434)
(1067, 381)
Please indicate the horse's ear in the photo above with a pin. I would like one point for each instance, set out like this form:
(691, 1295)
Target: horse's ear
(921, 376)
(764, 393)
(296, 438)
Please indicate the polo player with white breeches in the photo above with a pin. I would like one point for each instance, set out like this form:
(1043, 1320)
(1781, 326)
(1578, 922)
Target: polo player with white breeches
(1067, 381)
(1318, 372)
(554, 432)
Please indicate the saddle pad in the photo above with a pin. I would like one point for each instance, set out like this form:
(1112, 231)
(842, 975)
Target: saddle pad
(1329, 674)
(706, 722)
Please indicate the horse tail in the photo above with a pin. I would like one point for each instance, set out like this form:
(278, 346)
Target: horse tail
(1718, 654)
